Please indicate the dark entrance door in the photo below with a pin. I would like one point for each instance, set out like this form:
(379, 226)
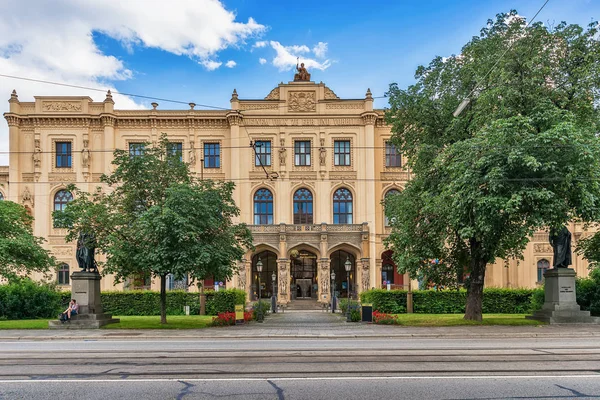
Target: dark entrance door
(304, 273)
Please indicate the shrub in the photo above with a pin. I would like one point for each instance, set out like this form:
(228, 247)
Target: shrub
(26, 299)
(537, 299)
(343, 304)
(507, 301)
(588, 292)
(248, 316)
(264, 306)
(355, 315)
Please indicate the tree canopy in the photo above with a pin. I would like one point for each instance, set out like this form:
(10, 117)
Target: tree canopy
(523, 156)
(20, 251)
(156, 219)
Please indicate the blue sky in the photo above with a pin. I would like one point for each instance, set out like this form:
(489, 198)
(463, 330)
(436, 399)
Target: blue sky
(171, 49)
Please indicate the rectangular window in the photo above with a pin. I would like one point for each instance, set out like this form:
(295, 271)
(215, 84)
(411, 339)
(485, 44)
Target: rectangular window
(212, 155)
(263, 153)
(63, 154)
(341, 152)
(176, 149)
(63, 274)
(392, 156)
(136, 149)
(302, 152)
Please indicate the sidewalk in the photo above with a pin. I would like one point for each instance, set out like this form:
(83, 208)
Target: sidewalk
(308, 325)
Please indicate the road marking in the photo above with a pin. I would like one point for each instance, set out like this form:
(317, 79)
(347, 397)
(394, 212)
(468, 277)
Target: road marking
(323, 378)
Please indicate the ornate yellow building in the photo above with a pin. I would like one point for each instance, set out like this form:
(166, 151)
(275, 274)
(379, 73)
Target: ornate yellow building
(310, 187)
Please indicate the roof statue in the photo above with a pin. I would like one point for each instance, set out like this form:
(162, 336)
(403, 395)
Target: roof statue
(302, 74)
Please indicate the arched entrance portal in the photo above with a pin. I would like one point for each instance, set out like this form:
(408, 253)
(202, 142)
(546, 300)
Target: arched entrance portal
(303, 269)
(341, 285)
(269, 267)
(389, 272)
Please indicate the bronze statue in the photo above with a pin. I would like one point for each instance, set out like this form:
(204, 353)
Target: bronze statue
(86, 246)
(561, 244)
(302, 74)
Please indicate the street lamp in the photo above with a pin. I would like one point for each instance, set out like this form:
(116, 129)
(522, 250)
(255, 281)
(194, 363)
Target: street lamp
(259, 315)
(348, 266)
(274, 297)
(332, 291)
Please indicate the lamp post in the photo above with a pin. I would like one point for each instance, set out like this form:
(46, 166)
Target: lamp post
(274, 297)
(332, 291)
(348, 266)
(259, 315)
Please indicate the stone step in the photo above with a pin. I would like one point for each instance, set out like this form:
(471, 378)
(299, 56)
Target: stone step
(84, 321)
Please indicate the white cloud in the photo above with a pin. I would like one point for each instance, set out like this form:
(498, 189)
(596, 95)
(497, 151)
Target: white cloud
(297, 48)
(261, 43)
(320, 49)
(210, 65)
(286, 58)
(54, 41)
(230, 64)
(262, 61)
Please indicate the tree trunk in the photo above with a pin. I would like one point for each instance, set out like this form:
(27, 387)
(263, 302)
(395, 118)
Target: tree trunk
(202, 299)
(474, 308)
(163, 299)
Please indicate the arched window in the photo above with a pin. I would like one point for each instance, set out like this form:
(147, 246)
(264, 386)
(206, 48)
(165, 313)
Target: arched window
(303, 207)
(61, 199)
(542, 266)
(392, 192)
(342, 206)
(263, 207)
(63, 274)
(268, 260)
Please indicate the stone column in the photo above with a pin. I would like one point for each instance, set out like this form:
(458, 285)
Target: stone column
(283, 280)
(324, 280)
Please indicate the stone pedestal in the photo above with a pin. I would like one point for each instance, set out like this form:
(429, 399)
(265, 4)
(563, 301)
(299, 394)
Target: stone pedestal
(85, 289)
(560, 305)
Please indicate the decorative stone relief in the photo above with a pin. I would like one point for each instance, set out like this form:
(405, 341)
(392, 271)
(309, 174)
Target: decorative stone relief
(302, 101)
(273, 95)
(61, 106)
(322, 153)
(282, 152)
(37, 154)
(542, 248)
(192, 154)
(365, 274)
(242, 276)
(330, 95)
(62, 251)
(86, 155)
(26, 196)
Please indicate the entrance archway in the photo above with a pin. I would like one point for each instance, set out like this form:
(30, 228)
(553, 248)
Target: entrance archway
(341, 285)
(269, 262)
(303, 270)
(389, 272)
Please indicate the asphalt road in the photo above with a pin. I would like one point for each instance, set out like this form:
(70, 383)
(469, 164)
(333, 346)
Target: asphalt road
(327, 368)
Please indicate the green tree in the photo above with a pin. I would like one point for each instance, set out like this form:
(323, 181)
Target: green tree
(156, 219)
(523, 156)
(20, 251)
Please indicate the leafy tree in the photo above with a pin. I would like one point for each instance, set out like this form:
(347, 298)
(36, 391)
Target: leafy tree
(157, 219)
(20, 251)
(523, 155)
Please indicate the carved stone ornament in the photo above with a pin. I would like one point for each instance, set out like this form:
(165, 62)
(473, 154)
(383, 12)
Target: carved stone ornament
(192, 154)
(322, 153)
(26, 196)
(365, 275)
(302, 101)
(242, 277)
(283, 283)
(86, 155)
(282, 152)
(273, 95)
(324, 283)
(330, 95)
(37, 154)
(542, 248)
(61, 106)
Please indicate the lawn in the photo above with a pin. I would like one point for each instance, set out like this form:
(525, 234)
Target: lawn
(457, 320)
(127, 322)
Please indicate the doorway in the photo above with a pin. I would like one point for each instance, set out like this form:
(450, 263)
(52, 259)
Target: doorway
(304, 275)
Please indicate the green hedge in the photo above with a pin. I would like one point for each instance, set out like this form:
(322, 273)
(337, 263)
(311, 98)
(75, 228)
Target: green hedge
(29, 300)
(145, 302)
(500, 301)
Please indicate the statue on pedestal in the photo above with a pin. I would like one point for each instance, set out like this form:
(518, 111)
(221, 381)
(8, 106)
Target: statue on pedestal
(86, 246)
(302, 74)
(561, 244)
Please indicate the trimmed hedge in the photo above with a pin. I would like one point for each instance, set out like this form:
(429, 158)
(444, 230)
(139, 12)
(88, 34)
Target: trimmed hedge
(497, 301)
(145, 302)
(29, 300)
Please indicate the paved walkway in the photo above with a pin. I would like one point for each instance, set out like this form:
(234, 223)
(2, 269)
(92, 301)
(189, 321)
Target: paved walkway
(310, 325)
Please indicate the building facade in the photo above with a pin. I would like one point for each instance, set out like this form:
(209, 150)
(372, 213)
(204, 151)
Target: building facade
(311, 171)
